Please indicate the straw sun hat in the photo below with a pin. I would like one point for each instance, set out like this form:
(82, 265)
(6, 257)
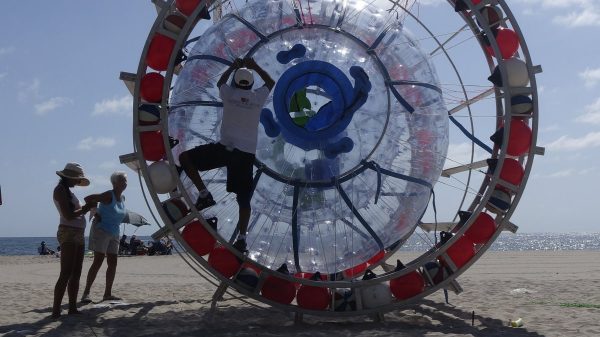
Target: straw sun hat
(74, 171)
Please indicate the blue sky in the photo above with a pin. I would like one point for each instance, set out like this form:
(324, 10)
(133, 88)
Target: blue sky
(62, 101)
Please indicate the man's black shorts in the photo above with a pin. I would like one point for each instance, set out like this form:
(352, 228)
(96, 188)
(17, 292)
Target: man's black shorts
(239, 165)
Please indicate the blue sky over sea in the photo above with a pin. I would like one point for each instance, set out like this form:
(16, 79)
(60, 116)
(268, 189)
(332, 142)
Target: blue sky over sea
(62, 101)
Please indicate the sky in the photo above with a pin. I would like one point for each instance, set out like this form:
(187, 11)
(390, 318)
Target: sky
(62, 102)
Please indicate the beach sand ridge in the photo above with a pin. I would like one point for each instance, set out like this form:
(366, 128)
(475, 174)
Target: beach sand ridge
(555, 294)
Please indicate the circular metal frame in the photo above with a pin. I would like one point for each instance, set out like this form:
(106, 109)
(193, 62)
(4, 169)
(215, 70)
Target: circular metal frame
(478, 205)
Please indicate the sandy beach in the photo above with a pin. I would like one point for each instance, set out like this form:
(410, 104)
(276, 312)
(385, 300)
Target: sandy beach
(555, 294)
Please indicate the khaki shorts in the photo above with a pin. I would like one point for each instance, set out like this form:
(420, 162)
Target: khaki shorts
(66, 234)
(103, 242)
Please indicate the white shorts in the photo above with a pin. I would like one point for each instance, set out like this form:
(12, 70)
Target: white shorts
(103, 242)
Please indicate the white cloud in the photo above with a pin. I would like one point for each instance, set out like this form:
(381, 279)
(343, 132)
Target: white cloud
(570, 13)
(562, 173)
(567, 143)
(428, 2)
(115, 106)
(99, 181)
(91, 143)
(51, 104)
(582, 18)
(460, 154)
(6, 50)
(550, 128)
(569, 172)
(559, 3)
(587, 170)
(395, 4)
(592, 113)
(541, 89)
(590, 76)
(29, 91)
(108, 165)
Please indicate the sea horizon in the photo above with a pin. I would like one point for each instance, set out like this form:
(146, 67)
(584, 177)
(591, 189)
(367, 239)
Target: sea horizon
(540, 241)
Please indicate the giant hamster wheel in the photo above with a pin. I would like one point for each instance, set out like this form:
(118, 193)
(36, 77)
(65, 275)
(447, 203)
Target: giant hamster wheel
(352, 141)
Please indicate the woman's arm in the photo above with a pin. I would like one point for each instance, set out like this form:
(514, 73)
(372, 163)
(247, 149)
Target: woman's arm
(94, 199)
(105, 198)
(61, 196)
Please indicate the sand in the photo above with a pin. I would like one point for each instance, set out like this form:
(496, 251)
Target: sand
(555, 294)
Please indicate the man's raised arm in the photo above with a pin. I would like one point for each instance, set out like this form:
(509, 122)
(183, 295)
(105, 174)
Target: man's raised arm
(237, 63)
(251, 64)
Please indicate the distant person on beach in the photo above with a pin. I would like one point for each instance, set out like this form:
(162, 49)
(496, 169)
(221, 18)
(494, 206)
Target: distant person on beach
(104, 234)
(44, 250)
(237, 147)
(134, 243)
(70, 235)
(159, 247)
(123, 245)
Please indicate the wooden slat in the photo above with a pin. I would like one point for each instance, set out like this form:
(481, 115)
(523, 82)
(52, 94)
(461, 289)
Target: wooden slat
(458, 169)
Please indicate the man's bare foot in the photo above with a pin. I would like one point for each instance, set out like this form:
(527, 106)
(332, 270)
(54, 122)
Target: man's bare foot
(74, 312)
(55, 315)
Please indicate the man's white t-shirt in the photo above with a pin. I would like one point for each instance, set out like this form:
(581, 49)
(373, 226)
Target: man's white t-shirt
(241, 114)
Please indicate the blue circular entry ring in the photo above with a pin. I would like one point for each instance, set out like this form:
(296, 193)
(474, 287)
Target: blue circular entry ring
(333, 81)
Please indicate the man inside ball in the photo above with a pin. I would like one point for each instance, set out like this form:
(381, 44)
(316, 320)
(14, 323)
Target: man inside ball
(236, 147)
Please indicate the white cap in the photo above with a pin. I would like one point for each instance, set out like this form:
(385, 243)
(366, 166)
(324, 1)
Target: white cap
(243, 77)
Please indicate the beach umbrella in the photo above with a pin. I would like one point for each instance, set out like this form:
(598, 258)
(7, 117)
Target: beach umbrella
(135, 219)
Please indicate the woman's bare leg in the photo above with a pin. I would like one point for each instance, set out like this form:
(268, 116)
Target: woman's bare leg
(111, 271)
(73, 285)
(91, 276)
(68, 259)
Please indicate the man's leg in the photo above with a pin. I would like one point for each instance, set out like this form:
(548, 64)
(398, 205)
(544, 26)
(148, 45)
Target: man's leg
(243, 200)
(244, 218)
(202, 158)
(240, 179)
(191, 170)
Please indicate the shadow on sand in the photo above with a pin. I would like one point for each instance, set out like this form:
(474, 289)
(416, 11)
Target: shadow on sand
(192, 318)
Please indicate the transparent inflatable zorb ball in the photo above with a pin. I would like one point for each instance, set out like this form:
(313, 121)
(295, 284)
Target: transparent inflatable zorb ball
(351, 140)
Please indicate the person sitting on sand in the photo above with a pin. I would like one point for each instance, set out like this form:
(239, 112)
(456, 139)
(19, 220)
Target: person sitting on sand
(44, 250)
(104, 234)
(168, 246)
(134, 244)
(158, 247)
(123, 245)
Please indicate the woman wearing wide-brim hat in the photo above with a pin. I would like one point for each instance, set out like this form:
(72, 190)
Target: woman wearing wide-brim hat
(70, 235)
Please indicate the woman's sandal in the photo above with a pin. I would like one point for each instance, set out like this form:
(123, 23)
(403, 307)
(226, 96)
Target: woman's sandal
(85, 299)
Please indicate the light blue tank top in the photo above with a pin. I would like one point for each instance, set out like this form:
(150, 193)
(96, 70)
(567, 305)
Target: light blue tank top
(112, 215)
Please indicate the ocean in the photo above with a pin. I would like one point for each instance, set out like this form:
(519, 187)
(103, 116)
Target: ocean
(29, 245)
(420, 242)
